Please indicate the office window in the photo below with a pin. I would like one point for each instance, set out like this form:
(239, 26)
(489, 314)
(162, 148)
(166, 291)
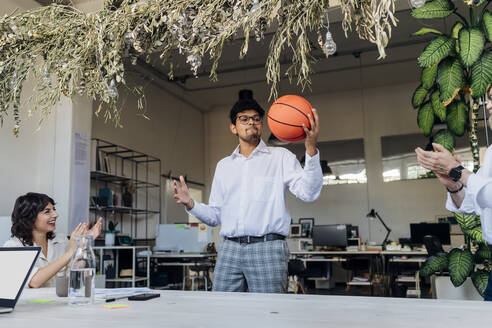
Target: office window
(400, 161)
(342, 161)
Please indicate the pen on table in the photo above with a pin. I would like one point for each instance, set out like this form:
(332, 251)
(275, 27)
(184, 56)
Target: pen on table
(112, 299)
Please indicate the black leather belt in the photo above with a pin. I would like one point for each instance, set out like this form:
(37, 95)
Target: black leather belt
(256, 239)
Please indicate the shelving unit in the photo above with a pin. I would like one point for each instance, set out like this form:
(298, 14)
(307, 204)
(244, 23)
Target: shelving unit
(134, 279)
(114, 167)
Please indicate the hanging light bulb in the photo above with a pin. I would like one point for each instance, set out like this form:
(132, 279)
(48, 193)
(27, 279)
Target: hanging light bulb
(256, 5)
(329, 47)
(417, 3)
(13, 81)
(195, 62)
(46, 76)
(112, 90)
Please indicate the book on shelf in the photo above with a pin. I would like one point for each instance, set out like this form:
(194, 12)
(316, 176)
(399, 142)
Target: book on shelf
(100, 161)
(107, 164)
(94, 158)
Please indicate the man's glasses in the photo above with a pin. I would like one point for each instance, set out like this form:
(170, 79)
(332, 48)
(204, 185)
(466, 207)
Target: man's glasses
(244, 119)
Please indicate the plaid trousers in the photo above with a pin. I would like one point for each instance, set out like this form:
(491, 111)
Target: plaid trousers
(258, 268)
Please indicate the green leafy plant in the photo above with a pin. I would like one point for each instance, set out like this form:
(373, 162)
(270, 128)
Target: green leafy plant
(461, 263)
(456, 73)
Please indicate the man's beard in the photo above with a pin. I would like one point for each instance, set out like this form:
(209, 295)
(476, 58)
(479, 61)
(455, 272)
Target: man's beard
(251, 138)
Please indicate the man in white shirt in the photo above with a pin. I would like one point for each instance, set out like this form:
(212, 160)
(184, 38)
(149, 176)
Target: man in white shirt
(468, 192)
(248, 200)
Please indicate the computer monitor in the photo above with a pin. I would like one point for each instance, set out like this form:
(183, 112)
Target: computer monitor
(334, 235)
(419, 230)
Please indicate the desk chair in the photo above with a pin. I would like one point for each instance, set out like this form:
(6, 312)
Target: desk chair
(197, 277)
(297, 270)
(432, 245)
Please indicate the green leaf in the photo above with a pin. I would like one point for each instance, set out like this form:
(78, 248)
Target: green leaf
(482, 254)
(428, 76)
(436, 50)
(434, 9)
(475, 234)
(457, 117)
(434, 264)
(450, 79)
(445, 139)
(472, 42)
(437, 106)
(480, 279)
(487, 24)
(419, 96)
(454, 34)
(460, 265)
(426, 30)
(481, 74)
(456, 30)
(467, 221)
(425, 118)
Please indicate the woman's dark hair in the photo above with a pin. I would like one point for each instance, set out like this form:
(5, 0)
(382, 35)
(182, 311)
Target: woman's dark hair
(245, 102)
(26, 210)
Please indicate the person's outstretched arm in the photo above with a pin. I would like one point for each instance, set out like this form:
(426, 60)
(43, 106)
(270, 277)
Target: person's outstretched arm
(209, 214)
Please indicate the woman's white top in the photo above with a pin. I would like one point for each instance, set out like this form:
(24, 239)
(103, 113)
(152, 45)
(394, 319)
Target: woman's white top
(56, 248)
(478, 196)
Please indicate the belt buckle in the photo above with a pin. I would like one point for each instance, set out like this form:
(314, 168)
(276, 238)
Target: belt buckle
(248, 240)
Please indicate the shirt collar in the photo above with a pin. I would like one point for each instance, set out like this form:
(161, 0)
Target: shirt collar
(262, 147)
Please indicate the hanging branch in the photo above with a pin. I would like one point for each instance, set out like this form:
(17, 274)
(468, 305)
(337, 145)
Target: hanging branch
(70, 52)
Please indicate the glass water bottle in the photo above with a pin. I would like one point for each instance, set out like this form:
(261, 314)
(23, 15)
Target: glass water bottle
(82, 272)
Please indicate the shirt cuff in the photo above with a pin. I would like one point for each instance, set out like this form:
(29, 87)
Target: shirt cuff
(450, 205)
(311, 161)
(195, 211)
(475, 184)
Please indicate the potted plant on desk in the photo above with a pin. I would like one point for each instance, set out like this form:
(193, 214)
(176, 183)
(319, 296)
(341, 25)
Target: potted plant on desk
(461, 262)
(110, 234)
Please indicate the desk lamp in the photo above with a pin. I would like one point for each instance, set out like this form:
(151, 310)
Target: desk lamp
(374, 214)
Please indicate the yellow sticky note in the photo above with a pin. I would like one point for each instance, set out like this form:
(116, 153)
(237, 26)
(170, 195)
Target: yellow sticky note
(41, 301)
(115, 306)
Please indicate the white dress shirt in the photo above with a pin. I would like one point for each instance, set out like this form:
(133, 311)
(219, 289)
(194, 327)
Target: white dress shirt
(248, 194)
(56, 248)
(478, 196)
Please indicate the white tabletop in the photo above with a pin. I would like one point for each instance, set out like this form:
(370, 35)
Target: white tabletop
(208, 309)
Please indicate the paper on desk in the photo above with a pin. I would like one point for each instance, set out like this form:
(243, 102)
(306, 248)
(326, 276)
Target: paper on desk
(103, 293)
(202, 232)
(40, 301)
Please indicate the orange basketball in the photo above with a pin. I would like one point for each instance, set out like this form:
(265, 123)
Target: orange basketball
(286, 116)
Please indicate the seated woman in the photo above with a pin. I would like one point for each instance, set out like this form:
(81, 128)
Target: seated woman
(33, 224)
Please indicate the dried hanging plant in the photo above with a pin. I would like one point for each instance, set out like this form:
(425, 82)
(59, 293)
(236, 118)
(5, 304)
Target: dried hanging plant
(71, 52)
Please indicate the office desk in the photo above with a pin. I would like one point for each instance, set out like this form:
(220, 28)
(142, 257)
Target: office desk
(216, 310)
(395, 257)
(184, 260)
(341, 256)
